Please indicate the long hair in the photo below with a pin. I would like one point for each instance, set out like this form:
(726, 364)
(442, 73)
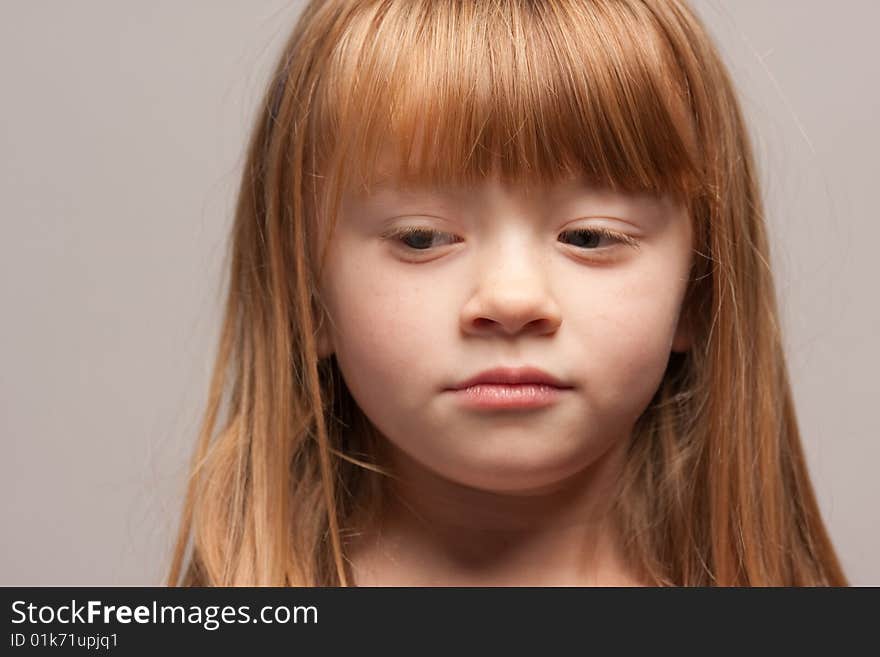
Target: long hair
(630, 94)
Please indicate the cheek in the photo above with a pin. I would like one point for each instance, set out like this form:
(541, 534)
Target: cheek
(386, 336)
(625, 335)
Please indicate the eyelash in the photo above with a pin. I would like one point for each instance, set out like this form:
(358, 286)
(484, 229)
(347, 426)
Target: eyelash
(400, 234)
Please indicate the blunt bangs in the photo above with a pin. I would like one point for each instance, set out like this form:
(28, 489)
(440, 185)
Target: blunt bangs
(450, 92)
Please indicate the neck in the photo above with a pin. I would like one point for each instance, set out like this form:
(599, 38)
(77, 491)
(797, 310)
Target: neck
(433, 531)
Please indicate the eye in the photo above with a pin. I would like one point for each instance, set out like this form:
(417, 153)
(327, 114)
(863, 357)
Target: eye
(591, 238)
(419, 239)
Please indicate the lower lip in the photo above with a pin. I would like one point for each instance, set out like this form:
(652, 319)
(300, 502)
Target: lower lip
(496, 396)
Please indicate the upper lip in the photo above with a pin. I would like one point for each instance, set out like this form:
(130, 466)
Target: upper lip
(511, 376)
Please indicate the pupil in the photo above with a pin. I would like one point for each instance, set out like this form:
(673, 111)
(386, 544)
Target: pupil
(422, 239)
(586, 238)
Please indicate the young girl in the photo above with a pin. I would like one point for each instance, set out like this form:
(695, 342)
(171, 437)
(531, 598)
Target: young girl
(500, 313)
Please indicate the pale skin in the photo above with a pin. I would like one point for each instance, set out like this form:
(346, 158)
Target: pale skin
(503, 497)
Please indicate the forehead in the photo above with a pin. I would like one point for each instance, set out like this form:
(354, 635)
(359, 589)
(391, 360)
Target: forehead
(564, 200)
(386, 187)
(393, 183)
(386, 181)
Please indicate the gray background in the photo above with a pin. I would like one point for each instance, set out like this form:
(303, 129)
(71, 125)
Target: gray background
(122, 137)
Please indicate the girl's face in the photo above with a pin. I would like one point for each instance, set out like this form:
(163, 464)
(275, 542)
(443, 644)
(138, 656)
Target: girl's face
(495, 277)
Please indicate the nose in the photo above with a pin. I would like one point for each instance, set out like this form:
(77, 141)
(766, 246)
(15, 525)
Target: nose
(511, 298)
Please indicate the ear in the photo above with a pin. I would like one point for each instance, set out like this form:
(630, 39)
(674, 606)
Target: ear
(324, 340)
(683, 338)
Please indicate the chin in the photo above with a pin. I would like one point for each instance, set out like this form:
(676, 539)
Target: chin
(532, 474)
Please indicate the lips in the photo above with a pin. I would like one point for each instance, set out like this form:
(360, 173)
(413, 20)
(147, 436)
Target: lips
(513, 376)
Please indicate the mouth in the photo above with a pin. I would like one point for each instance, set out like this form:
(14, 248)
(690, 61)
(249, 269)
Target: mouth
(512, 376)
(502, 396)
(510, 388)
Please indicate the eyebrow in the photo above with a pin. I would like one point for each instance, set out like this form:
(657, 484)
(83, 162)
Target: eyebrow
(385, 187)
(398, 191)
